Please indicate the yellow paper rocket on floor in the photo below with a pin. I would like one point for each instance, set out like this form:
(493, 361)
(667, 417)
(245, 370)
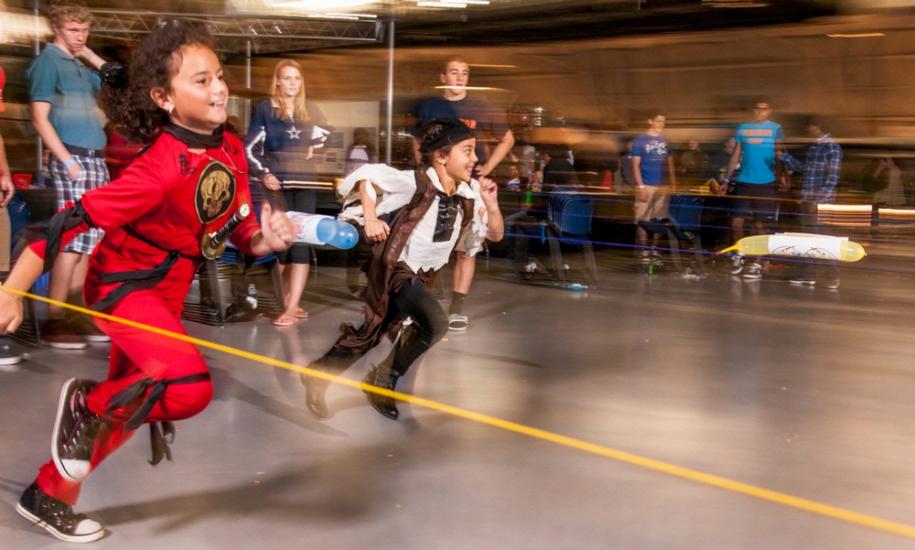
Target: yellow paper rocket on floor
(800, 245)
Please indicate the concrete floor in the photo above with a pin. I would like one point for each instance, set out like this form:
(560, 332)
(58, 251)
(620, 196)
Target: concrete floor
(802, 391)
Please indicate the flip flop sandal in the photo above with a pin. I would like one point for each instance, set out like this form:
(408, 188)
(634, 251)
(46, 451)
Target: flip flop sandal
(285, 320)
(300, 313)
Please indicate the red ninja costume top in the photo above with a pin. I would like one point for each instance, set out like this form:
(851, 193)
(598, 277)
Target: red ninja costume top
(159, 209)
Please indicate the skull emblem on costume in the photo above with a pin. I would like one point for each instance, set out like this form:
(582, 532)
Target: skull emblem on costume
(216, 193)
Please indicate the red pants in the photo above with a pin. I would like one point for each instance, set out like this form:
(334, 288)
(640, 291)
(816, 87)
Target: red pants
(137, 354)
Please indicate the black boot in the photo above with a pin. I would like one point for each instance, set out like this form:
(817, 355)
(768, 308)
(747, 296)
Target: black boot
(383, 377)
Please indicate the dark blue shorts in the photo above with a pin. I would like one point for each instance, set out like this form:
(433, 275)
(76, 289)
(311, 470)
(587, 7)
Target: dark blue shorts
(756, 200)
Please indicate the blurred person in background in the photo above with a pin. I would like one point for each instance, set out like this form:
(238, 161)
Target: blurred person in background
(655, 178)
(559, 176)
(821, 170)
(8, 356)
(627, 176)
(279, 148)
(489, 125)
(361, 152)
(718, 165)
(753, 160)
(693, 165)
(892, 193)
(63, 93)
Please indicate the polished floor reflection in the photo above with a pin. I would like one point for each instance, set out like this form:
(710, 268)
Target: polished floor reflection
(803, 391)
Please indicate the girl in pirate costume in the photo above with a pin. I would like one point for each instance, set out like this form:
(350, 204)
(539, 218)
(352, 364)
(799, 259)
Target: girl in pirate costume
(190, 182)
(429, 212)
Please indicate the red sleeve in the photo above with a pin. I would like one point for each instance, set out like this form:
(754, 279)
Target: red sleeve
(140, 188)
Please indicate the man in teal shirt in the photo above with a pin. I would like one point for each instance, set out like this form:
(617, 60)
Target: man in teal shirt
(62, 91)
(758, 144)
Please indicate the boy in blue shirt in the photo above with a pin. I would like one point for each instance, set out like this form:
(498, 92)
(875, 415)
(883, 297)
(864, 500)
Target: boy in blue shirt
(652, 167)
(758, 144)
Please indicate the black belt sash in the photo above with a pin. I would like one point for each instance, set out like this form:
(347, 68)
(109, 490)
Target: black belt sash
(159, 437)
(60, 223)
(139, 279)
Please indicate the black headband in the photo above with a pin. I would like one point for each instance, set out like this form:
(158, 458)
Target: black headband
(440, 133)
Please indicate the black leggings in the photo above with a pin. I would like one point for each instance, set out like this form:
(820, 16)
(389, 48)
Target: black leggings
(430, 324)
(299, 200)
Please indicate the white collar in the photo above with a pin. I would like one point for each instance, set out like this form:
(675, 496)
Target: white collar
(463, 188)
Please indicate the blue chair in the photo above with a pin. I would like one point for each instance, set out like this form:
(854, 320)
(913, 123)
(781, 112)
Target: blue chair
(683, 222)
(569, 218)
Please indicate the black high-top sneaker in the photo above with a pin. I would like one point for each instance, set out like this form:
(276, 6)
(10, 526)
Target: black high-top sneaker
(57, 517)
(75, 431)
(383, 377)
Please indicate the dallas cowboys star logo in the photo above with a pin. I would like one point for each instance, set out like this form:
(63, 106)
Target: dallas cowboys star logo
(294, 133)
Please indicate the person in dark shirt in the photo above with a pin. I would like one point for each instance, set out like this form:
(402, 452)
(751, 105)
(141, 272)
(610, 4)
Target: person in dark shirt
(494, 141)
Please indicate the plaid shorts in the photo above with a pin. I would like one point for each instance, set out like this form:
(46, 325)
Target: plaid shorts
(92, 174)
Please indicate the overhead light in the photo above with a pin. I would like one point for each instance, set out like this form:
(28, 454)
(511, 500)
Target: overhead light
(334, 16)
(307, 6)
(471, 88)
(856, 35)
(493, 66)
(730, 4)
(442, 4)
(450, 3)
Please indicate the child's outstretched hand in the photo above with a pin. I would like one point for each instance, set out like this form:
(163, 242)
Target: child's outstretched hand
(276, 228)
(489, 190)
(10, 312)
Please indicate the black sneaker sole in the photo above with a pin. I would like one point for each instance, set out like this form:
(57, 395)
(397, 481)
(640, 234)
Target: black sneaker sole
(62, 403)
(89, 537)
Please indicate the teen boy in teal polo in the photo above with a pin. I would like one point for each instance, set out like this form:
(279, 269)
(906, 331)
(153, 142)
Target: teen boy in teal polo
(62, 91)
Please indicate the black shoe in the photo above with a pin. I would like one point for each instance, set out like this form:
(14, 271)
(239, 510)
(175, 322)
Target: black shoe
(383, 378)
(9, 356)
(58, 334)
(83, 326)
(75, 431)
(57, 517)
(315, 389)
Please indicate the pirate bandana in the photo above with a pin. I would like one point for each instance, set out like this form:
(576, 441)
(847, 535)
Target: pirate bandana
(440, 133)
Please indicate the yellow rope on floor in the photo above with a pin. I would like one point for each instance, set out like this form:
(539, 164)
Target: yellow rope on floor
(622, 456)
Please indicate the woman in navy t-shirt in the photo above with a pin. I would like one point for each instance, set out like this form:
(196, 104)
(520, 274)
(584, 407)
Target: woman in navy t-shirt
(280, 146)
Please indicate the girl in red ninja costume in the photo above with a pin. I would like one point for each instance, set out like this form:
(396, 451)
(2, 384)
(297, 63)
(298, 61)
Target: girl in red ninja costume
(189, 182)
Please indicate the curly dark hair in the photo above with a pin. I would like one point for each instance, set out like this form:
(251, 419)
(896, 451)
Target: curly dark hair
(155, 60)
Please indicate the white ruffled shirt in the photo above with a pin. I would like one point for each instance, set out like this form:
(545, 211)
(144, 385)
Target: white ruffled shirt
(397, 188)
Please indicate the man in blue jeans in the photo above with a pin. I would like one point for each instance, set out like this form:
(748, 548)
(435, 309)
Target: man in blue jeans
(758, 144)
